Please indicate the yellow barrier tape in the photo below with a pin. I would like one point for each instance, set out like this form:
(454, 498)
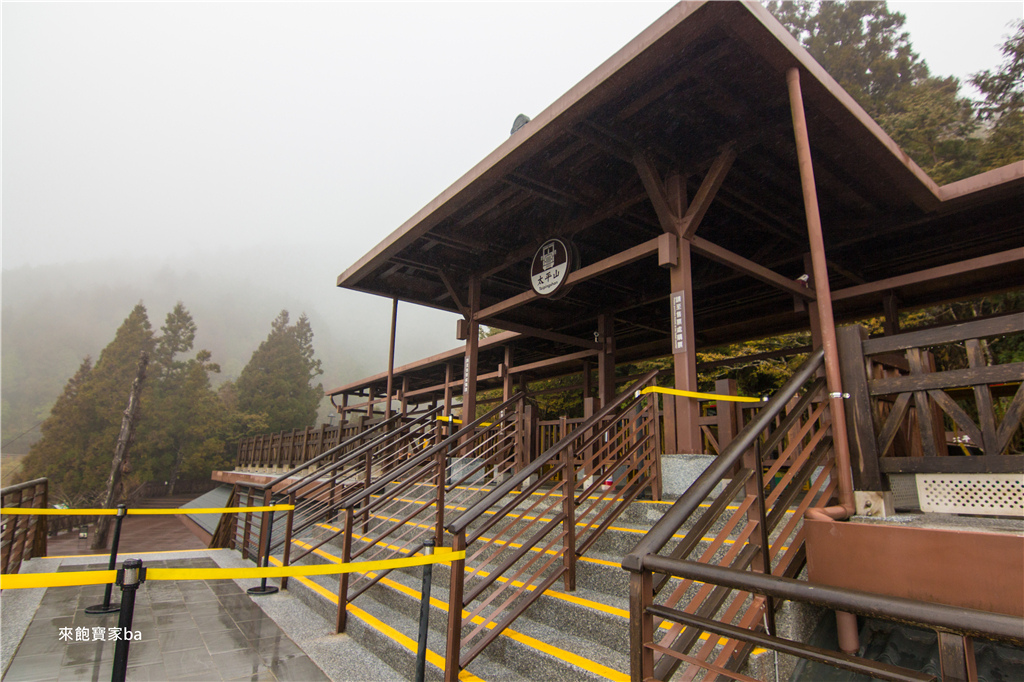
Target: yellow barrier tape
(31, 511)
(453, 420)
(18, 581)
(21, 581)
(700, 396)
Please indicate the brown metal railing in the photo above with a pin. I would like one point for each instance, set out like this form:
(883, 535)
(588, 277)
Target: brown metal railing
(317, 480)
(292, 449)
(954, 626)
(899, 403)
(527, 533)
(393, 517)
(23, 537)
(753, 525)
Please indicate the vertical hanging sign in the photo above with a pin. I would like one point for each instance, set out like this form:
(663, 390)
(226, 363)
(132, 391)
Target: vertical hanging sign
(678, 322)
(465, 377)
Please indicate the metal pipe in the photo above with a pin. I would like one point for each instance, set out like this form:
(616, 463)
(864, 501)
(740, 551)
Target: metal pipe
(938, 616)
(129, 579)
(822, 291)
(106, 606)
(421, 651)
(263, 588)
(391, 356)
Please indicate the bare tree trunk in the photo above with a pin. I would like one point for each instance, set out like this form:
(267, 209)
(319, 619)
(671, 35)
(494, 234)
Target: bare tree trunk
(124, 443)
(178, 457)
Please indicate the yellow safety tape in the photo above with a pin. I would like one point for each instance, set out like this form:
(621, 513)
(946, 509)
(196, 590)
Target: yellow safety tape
(32, 511)
(29, 580)
(453, 420)
(700, 396)
(19, 581)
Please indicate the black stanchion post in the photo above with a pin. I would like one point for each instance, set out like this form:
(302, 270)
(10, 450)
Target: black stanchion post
(129, 578)
(264, 588)
(106, 606)
(421, 651)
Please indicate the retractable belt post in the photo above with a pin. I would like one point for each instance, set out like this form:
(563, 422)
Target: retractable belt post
(421, 651)
(129, 578)
(106, 606)
(264, 588)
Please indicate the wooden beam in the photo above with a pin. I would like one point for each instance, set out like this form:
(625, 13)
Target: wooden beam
(749, 267)
(451, 292)
(541, 333)
(619, 260)
(706, 194)
(941, 272)
(670, 222)
(550, 362)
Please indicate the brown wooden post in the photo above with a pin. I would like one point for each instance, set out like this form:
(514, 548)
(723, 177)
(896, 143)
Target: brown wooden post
(346, 557)
(727, 418)
(569, 510)
(822, 291)
(404, 400)
(286, 559)
(453, 649)
(449, 378)
(956, 658)
(391, 358)
(606, 360)
(860, 426)
(641, 627)
(508, 385)
(983, 399)
(684, 345)
(469, 370)
(892, 314)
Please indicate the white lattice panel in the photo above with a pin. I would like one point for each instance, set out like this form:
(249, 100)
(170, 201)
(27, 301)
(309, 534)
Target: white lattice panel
(984, 494)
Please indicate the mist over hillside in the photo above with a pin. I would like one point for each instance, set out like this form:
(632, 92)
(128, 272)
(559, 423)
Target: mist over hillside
(56, 315)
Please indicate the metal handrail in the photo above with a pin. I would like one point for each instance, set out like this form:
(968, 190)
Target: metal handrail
(22, 486)
(358, 452)
(661, 533)
(467, 517)
(429, 454)
(328, 453)
(961, 621)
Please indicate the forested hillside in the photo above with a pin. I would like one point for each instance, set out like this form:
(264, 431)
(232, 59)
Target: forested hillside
(55, 316)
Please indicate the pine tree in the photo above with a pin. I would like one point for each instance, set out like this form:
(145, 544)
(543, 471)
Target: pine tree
(864, 47)
(276, 381)
(80, 434)
(187, 422)
(1003, 107)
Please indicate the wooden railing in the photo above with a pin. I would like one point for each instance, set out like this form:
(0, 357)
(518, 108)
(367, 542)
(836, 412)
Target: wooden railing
(291, 449)
(899, 405)
(23, 537)
(757, 525)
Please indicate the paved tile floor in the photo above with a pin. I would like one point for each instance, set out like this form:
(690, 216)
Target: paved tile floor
(194, 630)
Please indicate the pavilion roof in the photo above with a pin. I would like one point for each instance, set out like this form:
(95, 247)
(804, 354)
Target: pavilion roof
(706, 80)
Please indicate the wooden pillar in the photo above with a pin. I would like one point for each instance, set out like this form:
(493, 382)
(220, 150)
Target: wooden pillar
(369, 401)
(728, 413)
(606, 360)
(449, 378)
(391, 358)
(508, 386)
(684, 345)
(469, 370)
(404, 391)
(821, 289)
(812, 310)
(892, 314)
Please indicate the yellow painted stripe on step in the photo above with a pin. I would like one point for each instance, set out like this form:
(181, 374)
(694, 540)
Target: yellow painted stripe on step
(586, 603)
(561, 654)
(382, 627)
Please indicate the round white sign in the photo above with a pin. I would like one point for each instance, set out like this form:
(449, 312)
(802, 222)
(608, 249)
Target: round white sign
(550, 267)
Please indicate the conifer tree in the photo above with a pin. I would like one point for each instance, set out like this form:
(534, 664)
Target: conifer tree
(81, 431)
(276, 381)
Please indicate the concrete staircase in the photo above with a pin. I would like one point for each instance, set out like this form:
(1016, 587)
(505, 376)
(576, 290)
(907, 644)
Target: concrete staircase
(583, 635)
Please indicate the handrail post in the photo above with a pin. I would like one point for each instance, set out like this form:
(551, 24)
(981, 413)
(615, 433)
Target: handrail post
(442, 460)
(453, 649)
(569, 511)
(641, 626)
(346, 557)
(766, 549)
(268, 523)
(421, 649)
(289, 524)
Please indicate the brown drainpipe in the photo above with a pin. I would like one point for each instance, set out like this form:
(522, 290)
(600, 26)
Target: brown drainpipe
(846, 622)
